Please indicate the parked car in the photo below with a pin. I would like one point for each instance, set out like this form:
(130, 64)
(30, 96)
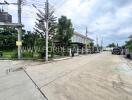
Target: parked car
(117, 51)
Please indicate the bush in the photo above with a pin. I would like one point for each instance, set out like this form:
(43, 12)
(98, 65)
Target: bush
(14, 54)
(129, 45)
(27, 54)
(41, 54)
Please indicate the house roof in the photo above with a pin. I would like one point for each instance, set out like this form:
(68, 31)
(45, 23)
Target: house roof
(83, 36)
(10, 24)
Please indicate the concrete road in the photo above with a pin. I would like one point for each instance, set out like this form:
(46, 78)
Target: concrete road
(92, 77)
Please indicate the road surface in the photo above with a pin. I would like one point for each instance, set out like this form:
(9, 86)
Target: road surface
(91, 77)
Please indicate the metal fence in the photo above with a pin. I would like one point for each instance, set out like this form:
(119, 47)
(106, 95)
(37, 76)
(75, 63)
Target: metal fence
(37, 52)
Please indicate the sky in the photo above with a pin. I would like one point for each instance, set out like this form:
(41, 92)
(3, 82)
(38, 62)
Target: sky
(109, 20)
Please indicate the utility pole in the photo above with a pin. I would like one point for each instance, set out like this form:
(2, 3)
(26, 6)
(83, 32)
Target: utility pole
(47, 29)
(97, 40)
(19, 29)
(19, 42)
(86, 40)
(102, 44)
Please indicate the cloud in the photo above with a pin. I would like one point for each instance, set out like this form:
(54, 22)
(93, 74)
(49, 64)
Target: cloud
(110, 19)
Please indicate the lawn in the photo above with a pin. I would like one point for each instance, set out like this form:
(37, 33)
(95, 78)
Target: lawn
(8, 54)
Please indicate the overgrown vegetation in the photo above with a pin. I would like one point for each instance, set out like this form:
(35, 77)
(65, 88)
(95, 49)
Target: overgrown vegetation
(129, 45)
(8, 37)
(64, 31)
(112, 45)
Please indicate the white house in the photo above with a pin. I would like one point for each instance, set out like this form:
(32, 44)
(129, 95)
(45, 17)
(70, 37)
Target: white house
(82, 42)
(81, 39)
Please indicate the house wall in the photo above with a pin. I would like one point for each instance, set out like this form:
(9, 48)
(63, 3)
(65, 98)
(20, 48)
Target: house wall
(79, 39)
(5, 17)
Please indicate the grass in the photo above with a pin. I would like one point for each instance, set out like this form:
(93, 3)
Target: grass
(8, 54)
(26, 55)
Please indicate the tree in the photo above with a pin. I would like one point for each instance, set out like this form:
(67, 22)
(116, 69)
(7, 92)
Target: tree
(91, 44)
(30, 38)
(40, 26)
(64, 31)
(8, 38)
(112, 45)
(129, 44)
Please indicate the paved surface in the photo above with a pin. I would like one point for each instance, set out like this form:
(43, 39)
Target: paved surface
(92, 77)
(15, 84)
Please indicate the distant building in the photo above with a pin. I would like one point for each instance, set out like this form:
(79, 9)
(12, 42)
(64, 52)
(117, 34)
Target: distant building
(81, 39)
(5, 17)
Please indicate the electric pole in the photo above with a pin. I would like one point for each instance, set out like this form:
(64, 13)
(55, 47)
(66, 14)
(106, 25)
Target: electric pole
(19, 29)
(46, 23)
(102, 44)
(86, 40)
(97, 40)
(19, 42)
(47, 29)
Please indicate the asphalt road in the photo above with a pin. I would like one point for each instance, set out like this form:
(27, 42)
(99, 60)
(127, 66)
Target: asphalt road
(91, 77)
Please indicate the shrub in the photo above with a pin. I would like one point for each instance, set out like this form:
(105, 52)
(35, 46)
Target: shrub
(27, 54)
(14, 54)
(41, 54)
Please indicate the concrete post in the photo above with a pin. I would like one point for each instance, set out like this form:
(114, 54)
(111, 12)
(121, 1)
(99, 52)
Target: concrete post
(86, 51)
(19, 29)
(47, 30)
(77, 51)
(70, 52)
(82, 50)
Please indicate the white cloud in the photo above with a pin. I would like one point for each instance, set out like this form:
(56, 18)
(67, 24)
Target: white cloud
(108, 18)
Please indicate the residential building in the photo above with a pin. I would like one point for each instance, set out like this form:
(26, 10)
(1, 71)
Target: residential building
(82, 43)
(81, 39)
(5, 17)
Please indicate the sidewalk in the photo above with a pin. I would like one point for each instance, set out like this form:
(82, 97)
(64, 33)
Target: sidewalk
(15, 84)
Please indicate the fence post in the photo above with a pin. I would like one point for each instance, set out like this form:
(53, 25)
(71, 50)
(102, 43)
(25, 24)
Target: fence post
(77, 52)
(70, 52)
(82, 50)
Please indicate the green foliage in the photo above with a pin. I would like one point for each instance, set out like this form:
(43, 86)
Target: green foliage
(111, 45)
(41, 54)
(64, 31)
(30, 39)
(129, 44)
(91, 44)
(14, 54)
(8, 37)
(27, 54)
